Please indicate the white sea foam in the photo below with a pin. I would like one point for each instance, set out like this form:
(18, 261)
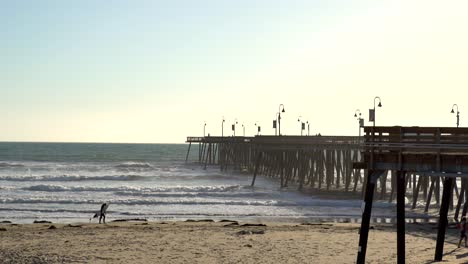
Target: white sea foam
(10, 165)
(65, 178)
(134, 165)
(146, 202)
(136, 189)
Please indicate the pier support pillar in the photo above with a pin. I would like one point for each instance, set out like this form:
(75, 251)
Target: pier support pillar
(188, 151)
(443, 221)
(401, 191)
(372, 177)
(257, 165)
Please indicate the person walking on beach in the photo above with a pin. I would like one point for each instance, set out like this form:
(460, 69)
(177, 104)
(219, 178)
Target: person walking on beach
(101, 213)
(462, 227)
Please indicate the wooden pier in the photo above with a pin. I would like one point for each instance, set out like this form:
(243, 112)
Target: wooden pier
(319, 162)
(432, 153)
(315, 161)
(415, 163)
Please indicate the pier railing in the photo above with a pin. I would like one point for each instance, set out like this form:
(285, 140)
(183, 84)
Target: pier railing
(417, 149)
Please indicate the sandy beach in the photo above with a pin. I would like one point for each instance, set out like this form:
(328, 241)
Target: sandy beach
(216, 242)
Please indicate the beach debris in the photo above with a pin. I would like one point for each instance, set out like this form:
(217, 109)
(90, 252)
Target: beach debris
(3, 229)
(316, 224)
(232, 224)
(253, 225)
(227, 221)
(201, 220)
(251, 232)
(131, 220)
(248, 245)
(42, 222)
(52, 227)
(70, 225)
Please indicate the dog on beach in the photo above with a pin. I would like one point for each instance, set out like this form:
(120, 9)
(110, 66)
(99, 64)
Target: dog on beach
(101, 214)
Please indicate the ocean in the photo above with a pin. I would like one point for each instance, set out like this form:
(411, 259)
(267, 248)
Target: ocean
(67, 182)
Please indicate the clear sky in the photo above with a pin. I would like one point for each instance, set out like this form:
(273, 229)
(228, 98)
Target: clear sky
(155, 71)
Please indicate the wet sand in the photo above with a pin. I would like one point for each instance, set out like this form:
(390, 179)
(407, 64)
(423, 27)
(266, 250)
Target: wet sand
(216, 242)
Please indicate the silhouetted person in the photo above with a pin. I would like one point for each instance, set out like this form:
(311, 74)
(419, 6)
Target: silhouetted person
(101, 213)
(462, 227)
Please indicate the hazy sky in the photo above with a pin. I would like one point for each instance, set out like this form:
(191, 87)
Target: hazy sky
(155, 71)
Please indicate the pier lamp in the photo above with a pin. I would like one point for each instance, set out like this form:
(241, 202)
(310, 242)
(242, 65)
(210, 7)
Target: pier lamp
(372, 111)
(222, 127)
(258, 127)
(243, 130)
(308, 128)
(204, 126)
(302, 125)
(359, 119)
(458, 114)
(279, 118)
(275, 124)
(234, 126)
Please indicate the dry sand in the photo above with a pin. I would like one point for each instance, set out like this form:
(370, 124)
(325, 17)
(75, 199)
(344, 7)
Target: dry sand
(220, 242)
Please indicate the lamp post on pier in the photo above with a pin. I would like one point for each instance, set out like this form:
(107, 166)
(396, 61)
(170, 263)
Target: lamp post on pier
(258, 128)
(458, 114)
(308, 128)
(279, 118)
(360, 120)
(243, 130)
(302, 125)
(204, 126)
(234, 126)
(275, 124)
(222, 127)
(372, 111)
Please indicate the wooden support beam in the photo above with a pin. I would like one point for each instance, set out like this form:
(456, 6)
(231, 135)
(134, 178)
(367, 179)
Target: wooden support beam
(416, 191)
(429, 195)
(401, 191)
(383, 186)
(200, 146)
(443, 221)
(460, 199)
(257, 165)
(188, 151)
(366, 215)
(393, 180)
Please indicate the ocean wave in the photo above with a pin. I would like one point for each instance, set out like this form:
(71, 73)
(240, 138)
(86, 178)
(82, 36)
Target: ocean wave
(75, 178)
(42, 210)
(117, 177)
(10, 165)
(128, 190)
(193, 194)
(133, 165)
(148, 202)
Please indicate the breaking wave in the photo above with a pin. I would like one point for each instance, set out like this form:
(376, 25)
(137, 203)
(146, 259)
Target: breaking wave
(147, 202)
(10, 165)
(127, 190)
(133, 165)
(76, 178)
